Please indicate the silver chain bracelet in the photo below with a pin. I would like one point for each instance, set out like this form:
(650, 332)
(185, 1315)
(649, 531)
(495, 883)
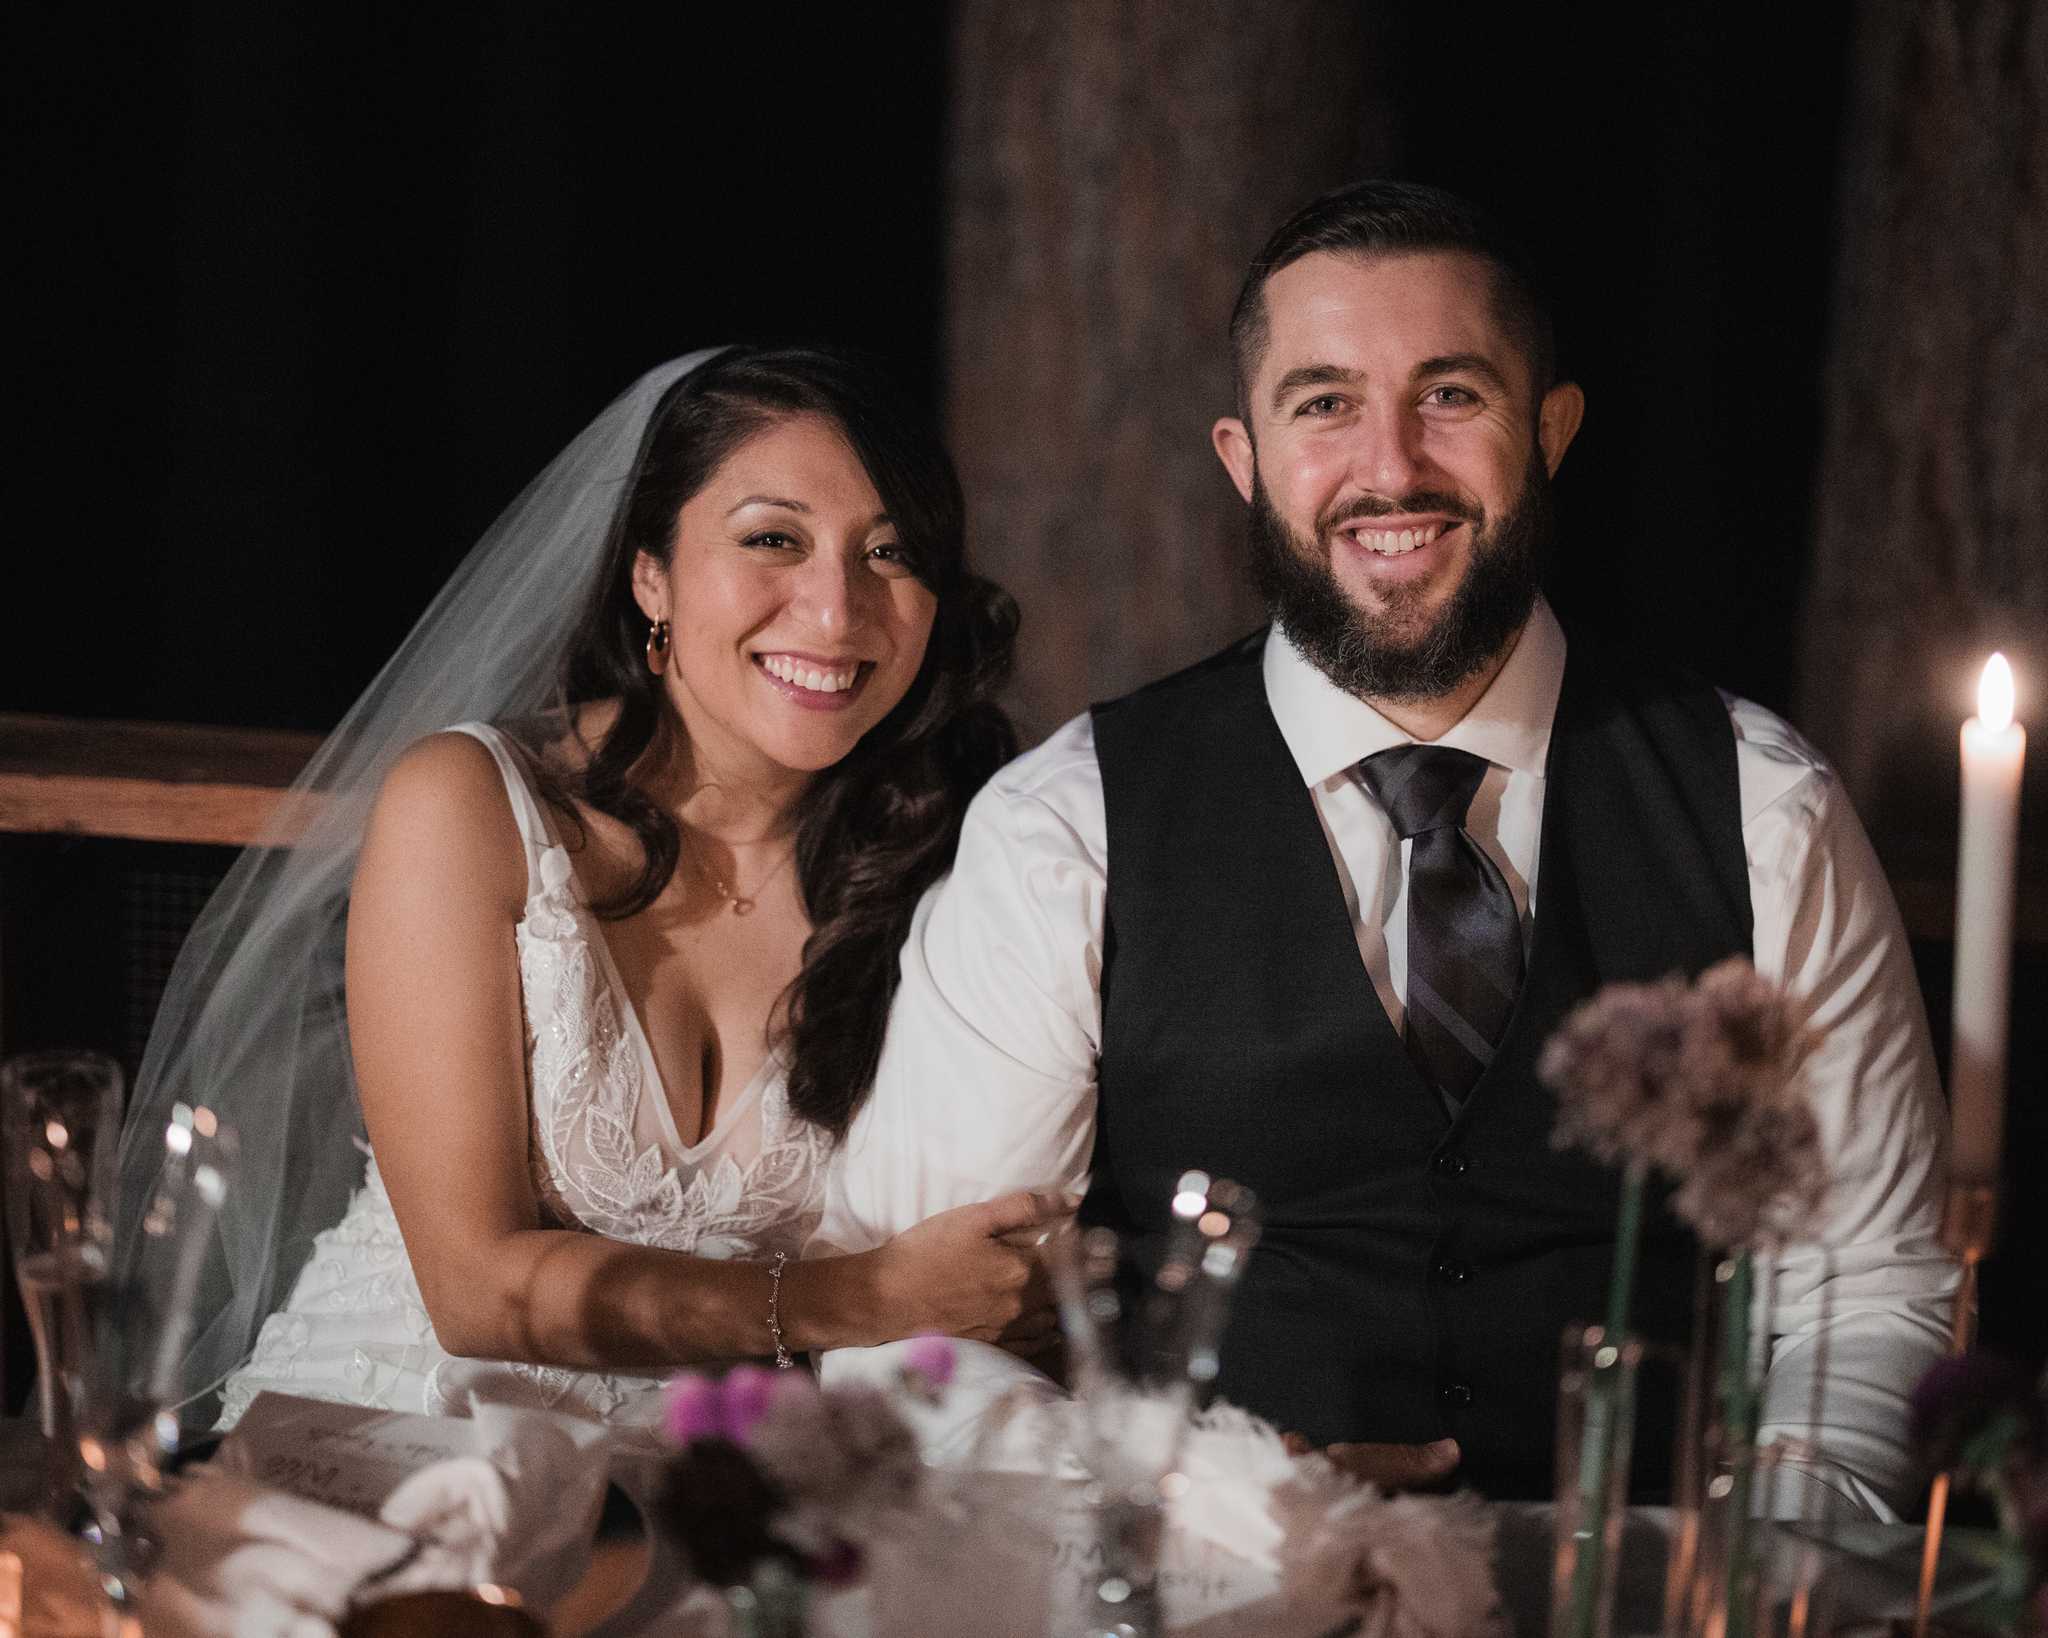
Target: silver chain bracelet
(784, 1359)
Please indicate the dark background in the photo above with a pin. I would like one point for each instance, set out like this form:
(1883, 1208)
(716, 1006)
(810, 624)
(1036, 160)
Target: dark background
(315, 290)
(305, 294)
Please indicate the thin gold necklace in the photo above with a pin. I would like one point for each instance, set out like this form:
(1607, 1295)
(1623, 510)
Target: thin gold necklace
(742, 904)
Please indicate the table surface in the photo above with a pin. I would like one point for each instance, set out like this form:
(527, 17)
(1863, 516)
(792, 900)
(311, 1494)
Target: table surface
(636, 1586)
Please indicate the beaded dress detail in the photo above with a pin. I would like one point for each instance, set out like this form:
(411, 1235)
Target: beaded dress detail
(605, 1157)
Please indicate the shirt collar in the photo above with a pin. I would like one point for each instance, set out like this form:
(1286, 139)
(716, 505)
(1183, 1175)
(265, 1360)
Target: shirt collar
(1329, 731)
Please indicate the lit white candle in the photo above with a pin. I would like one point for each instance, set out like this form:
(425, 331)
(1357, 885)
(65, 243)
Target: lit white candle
(1994, 746)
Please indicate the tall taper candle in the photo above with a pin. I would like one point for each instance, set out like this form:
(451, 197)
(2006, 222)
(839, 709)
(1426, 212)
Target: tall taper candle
(1994, 746)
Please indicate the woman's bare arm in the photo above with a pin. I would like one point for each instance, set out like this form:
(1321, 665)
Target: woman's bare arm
(435, 1021)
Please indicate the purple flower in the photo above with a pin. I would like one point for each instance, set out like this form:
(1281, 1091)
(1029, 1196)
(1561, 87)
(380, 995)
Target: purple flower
(1702, 1081)
(749, 1391)
(790, 1388)
(721, 1510)
(693, 1409)
(772, 1466)
(931, 1357)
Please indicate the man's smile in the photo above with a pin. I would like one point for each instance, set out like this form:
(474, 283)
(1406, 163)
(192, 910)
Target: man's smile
(1396, 550)
(1395, 540)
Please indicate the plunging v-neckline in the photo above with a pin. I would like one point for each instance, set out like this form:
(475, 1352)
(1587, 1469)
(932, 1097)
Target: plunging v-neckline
(592, 932)
(650, 1069)
(630, 1021)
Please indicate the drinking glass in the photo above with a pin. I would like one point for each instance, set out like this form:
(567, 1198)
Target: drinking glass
(1143, 1323)
(60, 1127)
(124, 1409)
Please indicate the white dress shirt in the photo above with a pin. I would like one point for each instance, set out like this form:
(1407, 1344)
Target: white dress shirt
(987, 1080)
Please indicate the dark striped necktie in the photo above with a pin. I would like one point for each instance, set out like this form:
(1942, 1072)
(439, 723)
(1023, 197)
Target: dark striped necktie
(1464, 934)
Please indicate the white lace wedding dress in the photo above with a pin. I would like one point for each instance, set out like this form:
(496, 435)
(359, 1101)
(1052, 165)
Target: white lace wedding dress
(605, 1157)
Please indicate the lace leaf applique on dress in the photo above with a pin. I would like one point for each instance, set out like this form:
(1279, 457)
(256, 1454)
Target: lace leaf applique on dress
(587, 1083)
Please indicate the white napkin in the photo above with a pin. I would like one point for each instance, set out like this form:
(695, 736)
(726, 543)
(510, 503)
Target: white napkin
(243, 1559)
(1233, 1464)
(522, 1512)
(507, 1494)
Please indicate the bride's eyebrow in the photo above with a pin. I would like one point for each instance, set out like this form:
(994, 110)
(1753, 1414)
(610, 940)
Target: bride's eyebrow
(881, 520)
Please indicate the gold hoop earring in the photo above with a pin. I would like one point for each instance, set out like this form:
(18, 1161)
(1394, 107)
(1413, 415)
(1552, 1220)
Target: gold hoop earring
(657, 647)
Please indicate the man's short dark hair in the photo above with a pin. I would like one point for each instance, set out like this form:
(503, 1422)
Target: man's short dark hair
(1378, 218)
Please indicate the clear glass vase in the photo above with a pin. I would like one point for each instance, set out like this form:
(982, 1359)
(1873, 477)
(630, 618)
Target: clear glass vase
(1717, 1587)
(1595, 1437)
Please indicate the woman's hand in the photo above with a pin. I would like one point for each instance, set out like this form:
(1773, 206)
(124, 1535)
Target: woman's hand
(975, 1271)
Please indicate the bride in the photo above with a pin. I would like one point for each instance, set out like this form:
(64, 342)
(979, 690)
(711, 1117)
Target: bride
(606, 959)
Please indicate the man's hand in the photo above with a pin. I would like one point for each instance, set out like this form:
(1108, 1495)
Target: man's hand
(1391, 1467)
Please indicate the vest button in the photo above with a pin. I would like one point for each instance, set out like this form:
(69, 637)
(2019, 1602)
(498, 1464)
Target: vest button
(1452, 1272)
(1455, 1395)
(1450, 1164)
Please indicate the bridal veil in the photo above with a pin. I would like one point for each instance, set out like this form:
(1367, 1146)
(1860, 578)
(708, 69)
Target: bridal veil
(252, 1022)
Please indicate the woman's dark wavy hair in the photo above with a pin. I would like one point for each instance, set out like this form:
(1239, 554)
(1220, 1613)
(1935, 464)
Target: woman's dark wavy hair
(877, 828)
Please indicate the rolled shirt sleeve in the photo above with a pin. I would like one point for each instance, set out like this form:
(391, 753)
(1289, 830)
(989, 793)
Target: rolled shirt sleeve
(1857, 1311)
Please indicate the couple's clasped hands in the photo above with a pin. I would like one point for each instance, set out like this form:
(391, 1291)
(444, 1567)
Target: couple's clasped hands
(979, 1271)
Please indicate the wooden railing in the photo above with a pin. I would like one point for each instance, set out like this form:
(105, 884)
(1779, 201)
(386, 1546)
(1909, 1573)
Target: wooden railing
(137, 781)
(148, 781)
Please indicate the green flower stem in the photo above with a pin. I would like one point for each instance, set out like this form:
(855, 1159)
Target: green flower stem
(1738, 1396)
(1628, 1239)
(1597, 1437)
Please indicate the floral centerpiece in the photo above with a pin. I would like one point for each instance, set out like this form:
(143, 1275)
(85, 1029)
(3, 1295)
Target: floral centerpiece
(779, 1490)
(778, 1486)
(1403, 1566)
(1701, 1081)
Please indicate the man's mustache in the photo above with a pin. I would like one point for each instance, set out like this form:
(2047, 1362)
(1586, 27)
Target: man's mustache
(1378, 506)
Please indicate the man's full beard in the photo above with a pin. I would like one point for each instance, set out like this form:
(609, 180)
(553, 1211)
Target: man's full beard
(1358, 651)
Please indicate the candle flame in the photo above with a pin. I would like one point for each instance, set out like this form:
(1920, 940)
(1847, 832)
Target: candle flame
(1995, 695)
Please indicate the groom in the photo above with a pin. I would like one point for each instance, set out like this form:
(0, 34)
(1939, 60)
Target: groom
(1305, 915)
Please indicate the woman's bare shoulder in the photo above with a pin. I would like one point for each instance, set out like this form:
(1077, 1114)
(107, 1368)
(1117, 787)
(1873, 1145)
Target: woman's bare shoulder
(451, 769)
(443, 811)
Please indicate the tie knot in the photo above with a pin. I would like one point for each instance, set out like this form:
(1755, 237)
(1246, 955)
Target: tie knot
(1423, 787)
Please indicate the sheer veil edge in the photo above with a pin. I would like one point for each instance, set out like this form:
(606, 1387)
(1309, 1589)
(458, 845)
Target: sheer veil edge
(252, 1022)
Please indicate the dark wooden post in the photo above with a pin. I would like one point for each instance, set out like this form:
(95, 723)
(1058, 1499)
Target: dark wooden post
(1932, 518)
(1114, 166)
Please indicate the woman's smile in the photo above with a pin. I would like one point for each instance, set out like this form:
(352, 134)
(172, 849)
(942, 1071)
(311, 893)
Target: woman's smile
(813, 682)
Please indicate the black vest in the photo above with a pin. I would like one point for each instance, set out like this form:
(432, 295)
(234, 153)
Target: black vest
(1416, 1274)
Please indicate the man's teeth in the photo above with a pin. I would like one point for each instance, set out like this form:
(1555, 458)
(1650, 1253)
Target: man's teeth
(810, 676)
(1393, 542)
